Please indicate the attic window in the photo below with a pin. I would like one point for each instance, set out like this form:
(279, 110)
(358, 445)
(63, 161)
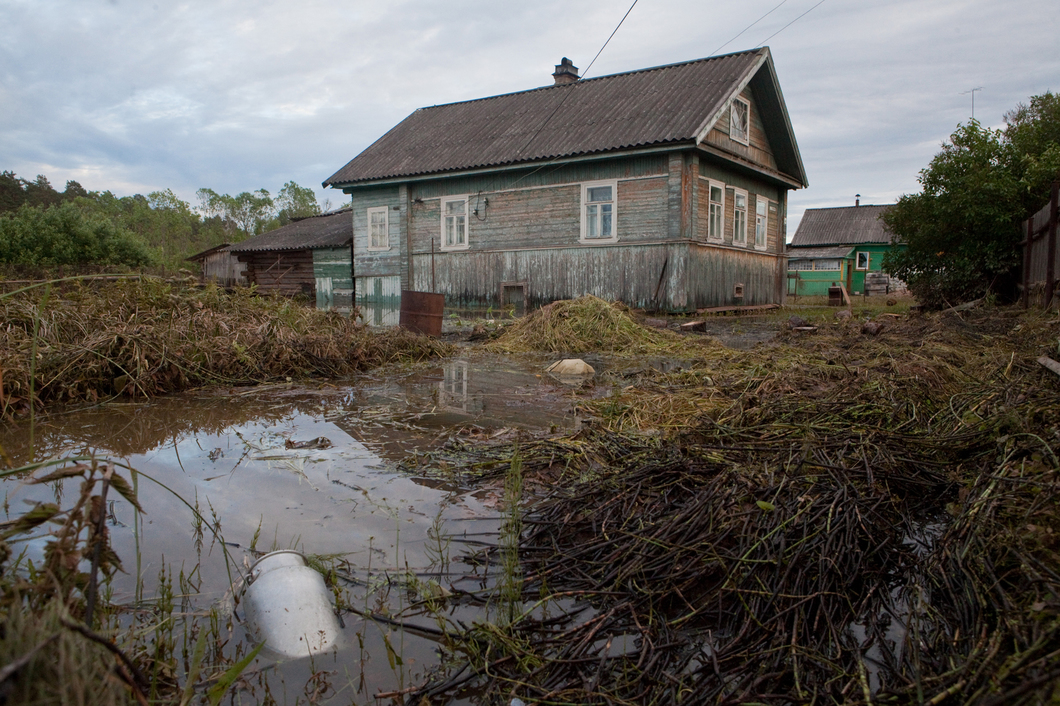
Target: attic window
(740, 120)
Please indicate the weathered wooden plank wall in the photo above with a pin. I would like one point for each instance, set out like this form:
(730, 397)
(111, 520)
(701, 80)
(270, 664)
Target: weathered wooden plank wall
(224, 269)
(1041, 254)
(714, 272)
(759, 150)
(333, 275)
(288, 272)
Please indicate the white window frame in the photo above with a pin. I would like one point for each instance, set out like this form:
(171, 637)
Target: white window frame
(385, 210)
(711, 212)
(857, 261)
(761, 222)
(734, 128)
(739, 235)
(583, 237)
(466, 234)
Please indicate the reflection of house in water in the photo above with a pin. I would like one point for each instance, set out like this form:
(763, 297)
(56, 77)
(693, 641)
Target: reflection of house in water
(452, 390)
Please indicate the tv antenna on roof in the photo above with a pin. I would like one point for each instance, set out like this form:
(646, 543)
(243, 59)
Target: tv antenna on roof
(972, 91)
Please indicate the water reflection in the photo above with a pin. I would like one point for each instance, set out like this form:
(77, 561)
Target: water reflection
(235, 456)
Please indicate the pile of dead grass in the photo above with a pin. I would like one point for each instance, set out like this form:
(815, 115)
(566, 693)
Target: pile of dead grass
(856, 520)
(590, 325)
(931, 368)
(146, 337)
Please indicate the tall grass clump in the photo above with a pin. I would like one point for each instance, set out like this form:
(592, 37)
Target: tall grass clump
(144, 337)
(590, 325)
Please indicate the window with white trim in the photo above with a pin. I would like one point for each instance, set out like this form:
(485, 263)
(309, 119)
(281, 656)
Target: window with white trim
(739, 217)
(761, 221)
(716, 215)
(863, 261)
(379, 228)
(801, 265)
(827, 265)
(740, 120)
(454, 223)
(599, 212)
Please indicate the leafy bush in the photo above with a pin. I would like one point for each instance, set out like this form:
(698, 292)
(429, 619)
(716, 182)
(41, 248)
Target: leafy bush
(962, 231)
(64, 235)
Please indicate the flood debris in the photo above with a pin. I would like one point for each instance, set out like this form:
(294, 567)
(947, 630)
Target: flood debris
(850, 521)
(148, 337)
(590, 325)
(571, 371)
(287, 606)
(321, 442)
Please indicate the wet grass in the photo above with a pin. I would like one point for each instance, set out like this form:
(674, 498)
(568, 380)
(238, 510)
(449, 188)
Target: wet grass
(590, 325)
(82, 342)
(851, 519)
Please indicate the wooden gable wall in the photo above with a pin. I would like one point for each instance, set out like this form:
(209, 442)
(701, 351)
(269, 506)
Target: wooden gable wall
(759, 150)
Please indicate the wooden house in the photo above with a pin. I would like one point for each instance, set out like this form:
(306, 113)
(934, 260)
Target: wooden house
(219, 266)
(835, 246)
(311, 256)
(665, 188)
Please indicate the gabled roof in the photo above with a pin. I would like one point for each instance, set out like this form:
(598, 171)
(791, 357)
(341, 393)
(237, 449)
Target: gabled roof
(850, 225)
(329, 230)
(666, 105)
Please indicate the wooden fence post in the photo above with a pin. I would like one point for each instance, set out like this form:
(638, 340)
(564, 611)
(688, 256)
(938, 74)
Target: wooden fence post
(1050, 275)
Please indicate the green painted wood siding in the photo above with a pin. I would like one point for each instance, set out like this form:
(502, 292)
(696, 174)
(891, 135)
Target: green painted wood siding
(333, 271)
(376, 263)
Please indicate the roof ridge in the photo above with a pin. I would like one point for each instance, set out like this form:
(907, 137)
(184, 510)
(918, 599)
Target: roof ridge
(583, 81)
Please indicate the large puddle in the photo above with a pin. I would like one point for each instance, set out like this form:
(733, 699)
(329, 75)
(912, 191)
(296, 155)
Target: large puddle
(255, 464)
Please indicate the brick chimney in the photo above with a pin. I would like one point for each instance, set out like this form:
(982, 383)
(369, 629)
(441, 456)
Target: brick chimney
(857, 199)
(566, 72)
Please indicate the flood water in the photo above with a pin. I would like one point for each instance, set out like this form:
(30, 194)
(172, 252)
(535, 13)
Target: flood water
(226, 452)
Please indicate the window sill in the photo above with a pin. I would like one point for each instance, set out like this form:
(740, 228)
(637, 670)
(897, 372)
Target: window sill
(598, 241)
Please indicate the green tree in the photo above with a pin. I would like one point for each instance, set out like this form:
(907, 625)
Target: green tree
(65, 235)
(294, 201)
(249, 212)
(962, 231)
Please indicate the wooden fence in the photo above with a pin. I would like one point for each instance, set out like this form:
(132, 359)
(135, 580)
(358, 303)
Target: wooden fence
(1040, 266)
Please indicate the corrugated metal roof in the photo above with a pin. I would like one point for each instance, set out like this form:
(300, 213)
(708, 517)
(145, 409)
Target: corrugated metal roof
(831, 253)
(329, 230)
(848, 225)
(656, 106)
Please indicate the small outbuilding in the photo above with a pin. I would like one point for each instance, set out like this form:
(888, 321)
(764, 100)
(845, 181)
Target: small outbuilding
(845, 246)
(311, 256)
(219, 266)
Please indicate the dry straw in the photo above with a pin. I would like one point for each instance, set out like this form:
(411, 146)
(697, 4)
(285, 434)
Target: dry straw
(143, 338)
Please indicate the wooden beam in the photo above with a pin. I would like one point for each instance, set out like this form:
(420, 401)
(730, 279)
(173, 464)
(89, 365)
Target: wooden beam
(1049, 364)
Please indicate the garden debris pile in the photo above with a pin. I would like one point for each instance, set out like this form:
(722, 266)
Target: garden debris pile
(590, 325)
(144, 338)
(884, 533)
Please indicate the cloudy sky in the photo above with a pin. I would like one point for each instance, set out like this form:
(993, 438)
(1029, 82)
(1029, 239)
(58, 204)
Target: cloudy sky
(141, 95)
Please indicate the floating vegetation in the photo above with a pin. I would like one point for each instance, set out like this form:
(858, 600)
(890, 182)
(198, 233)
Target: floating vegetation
(869, 529)
(141, 338)
(590, 325)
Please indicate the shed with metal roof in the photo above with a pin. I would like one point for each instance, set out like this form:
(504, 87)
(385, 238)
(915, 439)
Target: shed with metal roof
(312, 256)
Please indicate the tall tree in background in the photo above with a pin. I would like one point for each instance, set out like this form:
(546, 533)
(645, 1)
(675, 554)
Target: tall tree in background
(250, 212)
(294, 201)
(962, 230)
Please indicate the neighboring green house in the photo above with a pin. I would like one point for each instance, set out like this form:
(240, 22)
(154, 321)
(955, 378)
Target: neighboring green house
(835, 246)
(665, 188)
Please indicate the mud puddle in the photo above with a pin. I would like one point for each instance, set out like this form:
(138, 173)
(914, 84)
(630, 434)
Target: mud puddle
(310, 468)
